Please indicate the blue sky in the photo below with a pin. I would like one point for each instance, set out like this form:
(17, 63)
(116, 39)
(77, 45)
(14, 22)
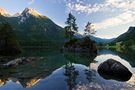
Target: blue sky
(110, 17)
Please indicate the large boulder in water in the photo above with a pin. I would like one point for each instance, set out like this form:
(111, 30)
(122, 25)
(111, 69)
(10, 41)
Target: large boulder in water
(112, 69)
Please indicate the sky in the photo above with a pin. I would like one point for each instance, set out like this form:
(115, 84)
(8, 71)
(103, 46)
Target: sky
(109, 17)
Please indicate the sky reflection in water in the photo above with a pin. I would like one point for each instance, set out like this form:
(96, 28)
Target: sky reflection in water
(69, 76)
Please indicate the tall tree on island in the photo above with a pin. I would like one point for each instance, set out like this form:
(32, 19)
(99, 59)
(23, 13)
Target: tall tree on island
(71, 27)
(89, 29)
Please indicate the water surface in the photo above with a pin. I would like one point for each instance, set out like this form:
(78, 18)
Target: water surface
(65, 71)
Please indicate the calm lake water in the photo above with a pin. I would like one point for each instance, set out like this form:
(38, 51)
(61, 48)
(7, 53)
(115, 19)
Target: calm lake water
(66, 71)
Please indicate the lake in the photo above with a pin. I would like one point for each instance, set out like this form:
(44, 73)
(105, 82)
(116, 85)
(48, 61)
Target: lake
(65, 71)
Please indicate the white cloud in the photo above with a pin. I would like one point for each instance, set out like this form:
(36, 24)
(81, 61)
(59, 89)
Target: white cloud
(82, 6)
(31, 2)
(121, 4)
(125, 15)
(123, 18)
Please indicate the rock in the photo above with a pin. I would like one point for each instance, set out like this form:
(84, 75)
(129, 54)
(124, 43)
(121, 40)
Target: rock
(112, 69)
(20, 61)
(83, 45)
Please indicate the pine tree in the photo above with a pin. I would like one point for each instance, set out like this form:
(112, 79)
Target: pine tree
(71, 27)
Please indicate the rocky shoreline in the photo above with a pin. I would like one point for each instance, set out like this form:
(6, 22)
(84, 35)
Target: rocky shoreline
(83, 45)
(19, 61)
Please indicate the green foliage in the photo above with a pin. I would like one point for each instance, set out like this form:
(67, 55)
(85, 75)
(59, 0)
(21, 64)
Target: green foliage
(71, 27)
(8, 41)
(129, 43)
(71, 21)
(70, 42)
(124, 42)
(87, 43)
(68, 34)
(89, 29)
(36, 31)
(127, 39)
(80, 43)
(119, 44)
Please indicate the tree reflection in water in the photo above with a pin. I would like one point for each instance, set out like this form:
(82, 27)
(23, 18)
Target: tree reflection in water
(71, 73)
(88, 74)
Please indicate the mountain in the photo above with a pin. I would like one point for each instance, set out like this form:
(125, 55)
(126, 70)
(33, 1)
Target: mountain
(101, 40)
(96, 39)
(16, 14)
(126, 40)
(29, 12)
(3, 12)
(35, 29)
(129, 35)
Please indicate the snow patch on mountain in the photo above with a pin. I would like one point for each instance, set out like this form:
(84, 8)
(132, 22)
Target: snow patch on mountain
(30, 11)
(27, 13)
(3, 12)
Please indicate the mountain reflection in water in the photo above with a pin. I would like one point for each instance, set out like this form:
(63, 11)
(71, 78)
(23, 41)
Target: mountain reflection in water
(66, 71)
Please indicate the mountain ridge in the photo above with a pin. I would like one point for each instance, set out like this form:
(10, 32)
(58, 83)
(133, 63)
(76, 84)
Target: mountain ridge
(96, 39)
(30, 11)
(3, 12)
(27, 11)
(127, 35)
(32, 28)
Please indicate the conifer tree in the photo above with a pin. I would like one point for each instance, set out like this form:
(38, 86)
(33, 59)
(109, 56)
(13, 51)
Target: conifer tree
(71, 27)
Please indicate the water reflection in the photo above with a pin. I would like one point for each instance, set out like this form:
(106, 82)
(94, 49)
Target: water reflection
(68, 71)
(71, 73)
(84, 59)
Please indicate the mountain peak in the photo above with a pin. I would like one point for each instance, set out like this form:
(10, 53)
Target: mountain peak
(16, 14)
(131, 29)
(3, 12)
(30, 11)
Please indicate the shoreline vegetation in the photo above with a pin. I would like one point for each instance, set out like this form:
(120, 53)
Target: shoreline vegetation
(117, 47)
